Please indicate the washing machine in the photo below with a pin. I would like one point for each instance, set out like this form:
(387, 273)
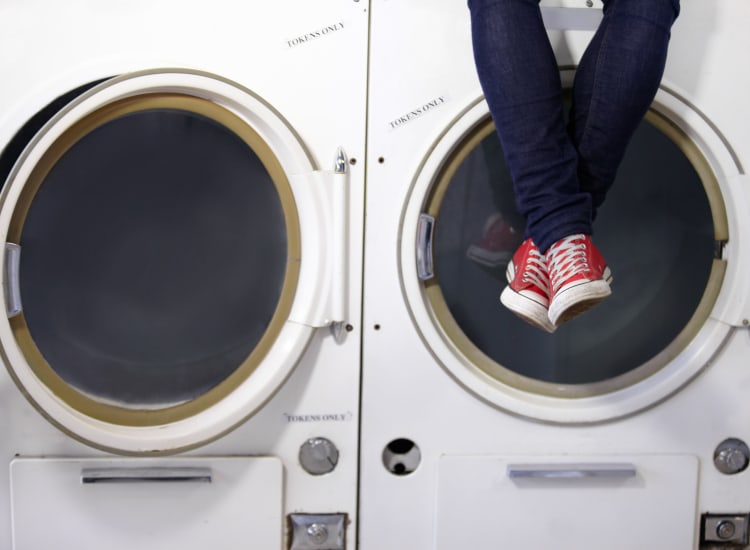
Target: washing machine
(182, 216)
(628, 427)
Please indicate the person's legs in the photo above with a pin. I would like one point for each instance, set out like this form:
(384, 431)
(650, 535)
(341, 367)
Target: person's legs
(521, 82)
(560, 177)
(615, 83)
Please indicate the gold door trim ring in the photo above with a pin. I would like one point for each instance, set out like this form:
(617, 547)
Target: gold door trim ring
(138, 417)
(476, 360)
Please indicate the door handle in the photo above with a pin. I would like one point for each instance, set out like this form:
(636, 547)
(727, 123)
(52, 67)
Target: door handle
(145, 475)
(572, 471)
(425, 230)
(11, 286)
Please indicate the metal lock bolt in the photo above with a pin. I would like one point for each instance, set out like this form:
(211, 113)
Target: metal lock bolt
(725, 530)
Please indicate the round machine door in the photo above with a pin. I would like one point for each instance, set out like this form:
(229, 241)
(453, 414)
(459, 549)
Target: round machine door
(663, 230)
(154, 278)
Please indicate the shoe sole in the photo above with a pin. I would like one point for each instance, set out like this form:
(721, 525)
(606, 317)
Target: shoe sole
(527, 309)
(578, 299)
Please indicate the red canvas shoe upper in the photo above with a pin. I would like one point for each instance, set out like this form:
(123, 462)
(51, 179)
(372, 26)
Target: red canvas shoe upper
(574, 260)
(527, 273)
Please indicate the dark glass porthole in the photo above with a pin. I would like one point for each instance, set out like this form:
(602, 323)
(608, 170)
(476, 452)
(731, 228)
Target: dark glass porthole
(656, 230)
(154, 266)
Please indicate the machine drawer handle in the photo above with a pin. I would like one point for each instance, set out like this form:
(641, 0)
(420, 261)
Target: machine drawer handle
(425, 230)
(11, 287)
(571, 471)
(145, 475)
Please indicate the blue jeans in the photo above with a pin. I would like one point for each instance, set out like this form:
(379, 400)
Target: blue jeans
(561, 172)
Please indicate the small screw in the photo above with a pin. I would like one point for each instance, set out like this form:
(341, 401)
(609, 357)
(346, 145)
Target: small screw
(349, 328)
(746, 322)
(319, 534)
(725, 530)
(589, 3)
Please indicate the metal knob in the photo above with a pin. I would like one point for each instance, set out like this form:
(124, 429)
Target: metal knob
(732, 456)
(318, 456)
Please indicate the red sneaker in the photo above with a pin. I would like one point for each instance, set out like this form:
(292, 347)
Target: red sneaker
(527, 293)
(497, 244)
(579, 277)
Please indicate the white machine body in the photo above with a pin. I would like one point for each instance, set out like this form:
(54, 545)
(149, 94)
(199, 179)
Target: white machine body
(460, 453)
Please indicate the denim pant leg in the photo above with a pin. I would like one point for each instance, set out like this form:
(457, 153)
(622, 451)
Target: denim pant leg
(560, 175)
(521, 82)
(616, 81)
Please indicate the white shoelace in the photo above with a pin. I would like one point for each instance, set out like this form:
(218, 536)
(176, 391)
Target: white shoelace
(566, 258)
(535, 271)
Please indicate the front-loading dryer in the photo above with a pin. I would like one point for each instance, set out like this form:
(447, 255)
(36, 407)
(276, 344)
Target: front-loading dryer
(628, 427)
(181, 213)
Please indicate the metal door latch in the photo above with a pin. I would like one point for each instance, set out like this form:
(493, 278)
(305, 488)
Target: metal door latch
(317, 531)
(724, 530)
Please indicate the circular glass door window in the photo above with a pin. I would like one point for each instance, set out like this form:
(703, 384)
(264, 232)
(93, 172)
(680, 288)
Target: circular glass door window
(656, 231)
(155, 243)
